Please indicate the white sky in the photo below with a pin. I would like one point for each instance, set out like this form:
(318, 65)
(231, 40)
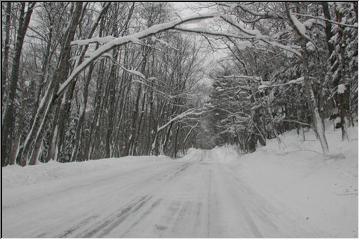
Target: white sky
(189, 8)
(186, 9)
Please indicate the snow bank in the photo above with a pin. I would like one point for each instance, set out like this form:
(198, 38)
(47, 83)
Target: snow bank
(16, 176)
(225, 154)
(193, 154)
(295, 174)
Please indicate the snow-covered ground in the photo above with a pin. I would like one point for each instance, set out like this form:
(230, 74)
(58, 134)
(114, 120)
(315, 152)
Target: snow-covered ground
(287, 191)
(321, 189)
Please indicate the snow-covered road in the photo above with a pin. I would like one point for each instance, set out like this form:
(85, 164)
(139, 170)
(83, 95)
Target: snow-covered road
(195, 197)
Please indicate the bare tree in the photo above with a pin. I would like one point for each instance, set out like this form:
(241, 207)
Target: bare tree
(9, 114)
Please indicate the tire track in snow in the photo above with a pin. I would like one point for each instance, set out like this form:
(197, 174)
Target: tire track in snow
(142, 216)
(168, 218)
(262, 217)
(116, 219)
(129, 211)
(101, 181)
(209, 205)
(181, 219)
(74, 228)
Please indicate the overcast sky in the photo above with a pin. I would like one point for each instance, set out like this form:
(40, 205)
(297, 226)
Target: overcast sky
(186, 9)
(189, 8)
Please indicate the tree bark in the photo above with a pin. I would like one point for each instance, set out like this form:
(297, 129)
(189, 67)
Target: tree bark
(10, 111)
(50, 100)
(5, 63)
(317, 119)
(328, 33)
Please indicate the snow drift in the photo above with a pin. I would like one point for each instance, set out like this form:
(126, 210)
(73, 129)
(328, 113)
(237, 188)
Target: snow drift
(295, 174)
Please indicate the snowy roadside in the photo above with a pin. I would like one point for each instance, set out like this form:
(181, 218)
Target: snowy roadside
(44, 179)
(322, 189)
(16, 176)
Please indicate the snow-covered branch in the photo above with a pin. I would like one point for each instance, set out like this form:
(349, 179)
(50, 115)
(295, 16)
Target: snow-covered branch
(299, 27)
(100, 40)
(124, 40)
(188, 134)
(244, 76)
(259, 14)
(164, 43)
(327, 20)
(182, 115)
(299, 80)
(132, 71)
(256, 35)
(211, 33)
(295, 121)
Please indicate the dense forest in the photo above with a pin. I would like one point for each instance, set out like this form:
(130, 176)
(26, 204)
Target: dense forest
(90, 80)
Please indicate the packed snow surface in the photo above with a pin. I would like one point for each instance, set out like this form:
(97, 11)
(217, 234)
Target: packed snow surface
(291, 190)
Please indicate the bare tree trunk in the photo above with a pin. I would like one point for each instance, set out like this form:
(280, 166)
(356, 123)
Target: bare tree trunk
(63, 70)
(133, 123)
(65, 116)
(5, 63)
(54, 130)
(80, 125)
(164, 146)
(50, 99)
(176, 141)
(98, 102)
(325, 7)
(139, 126)
(130, 145)
(317, 119)
(45, 71)
(9, 115)
(111, 107)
